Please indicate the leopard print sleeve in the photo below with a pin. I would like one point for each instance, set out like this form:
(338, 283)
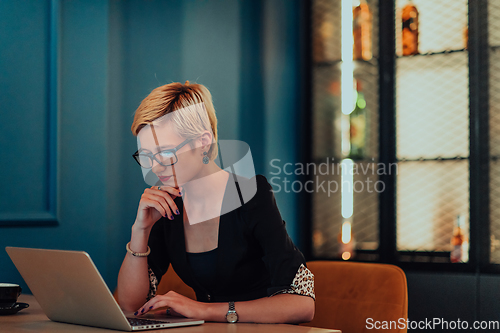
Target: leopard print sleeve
(302, 284)
(153, 284)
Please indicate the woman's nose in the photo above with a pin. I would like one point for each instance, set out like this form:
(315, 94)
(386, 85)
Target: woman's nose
(158, 168)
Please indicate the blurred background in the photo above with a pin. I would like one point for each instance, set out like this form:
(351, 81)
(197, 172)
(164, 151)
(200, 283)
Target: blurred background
(396, 98)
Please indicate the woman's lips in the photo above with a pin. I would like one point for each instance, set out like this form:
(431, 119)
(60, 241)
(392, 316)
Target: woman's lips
(164, 178)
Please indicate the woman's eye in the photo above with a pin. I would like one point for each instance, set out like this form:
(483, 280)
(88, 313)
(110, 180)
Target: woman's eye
(144, 160)
(166, 154)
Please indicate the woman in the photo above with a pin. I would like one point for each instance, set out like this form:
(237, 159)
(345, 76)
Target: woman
(242, 264)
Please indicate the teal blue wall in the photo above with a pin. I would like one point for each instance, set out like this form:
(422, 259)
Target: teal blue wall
(73, 73)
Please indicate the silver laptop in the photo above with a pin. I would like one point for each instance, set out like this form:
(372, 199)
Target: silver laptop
(70, 289)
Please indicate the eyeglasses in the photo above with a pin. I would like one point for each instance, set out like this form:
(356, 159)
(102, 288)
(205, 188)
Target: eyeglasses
(165, 157)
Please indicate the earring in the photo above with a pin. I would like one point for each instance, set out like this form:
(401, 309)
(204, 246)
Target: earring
(205, 158)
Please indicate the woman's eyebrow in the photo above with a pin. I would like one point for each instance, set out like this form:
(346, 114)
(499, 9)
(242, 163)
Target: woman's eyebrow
(167, 146)
(159, 148)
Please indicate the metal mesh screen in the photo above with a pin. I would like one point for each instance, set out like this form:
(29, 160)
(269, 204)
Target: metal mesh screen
(327, 134)
(432, 119)
(494, 123)
(326, 101)
(432, 102)
(441, 24)
(430, 196)
(493, 23)
(326, 30)
(366, 206)
(327, 219)
(495, 211)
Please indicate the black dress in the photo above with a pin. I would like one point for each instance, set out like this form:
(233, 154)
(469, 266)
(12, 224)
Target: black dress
(255, 256)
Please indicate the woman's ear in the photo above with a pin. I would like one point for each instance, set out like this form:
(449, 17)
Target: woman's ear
(206, 139)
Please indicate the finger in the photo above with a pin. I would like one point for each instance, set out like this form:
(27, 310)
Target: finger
(169, 189)
(166, 196)
(151, 307)
(139, 311)
(159, 301)
(146, 305)
(159, 197)
(170, 202)
(159, 304)
(154, 203)
(163, 202)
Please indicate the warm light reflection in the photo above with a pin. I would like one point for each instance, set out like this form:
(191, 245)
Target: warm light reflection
(346, 255)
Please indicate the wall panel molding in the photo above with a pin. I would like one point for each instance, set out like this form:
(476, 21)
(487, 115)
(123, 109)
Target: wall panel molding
(47, 215)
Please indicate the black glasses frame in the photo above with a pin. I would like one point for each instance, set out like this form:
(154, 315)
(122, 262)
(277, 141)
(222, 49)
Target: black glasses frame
(153, 156)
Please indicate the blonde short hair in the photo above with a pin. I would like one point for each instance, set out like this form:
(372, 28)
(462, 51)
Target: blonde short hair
(175, 96)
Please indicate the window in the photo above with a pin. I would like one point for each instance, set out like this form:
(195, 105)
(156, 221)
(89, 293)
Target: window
(428, 137)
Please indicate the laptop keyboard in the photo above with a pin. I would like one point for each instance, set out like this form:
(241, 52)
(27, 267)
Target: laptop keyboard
(144, 322)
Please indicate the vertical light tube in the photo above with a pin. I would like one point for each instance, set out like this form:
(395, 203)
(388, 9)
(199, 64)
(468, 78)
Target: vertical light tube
(347, 190)
(346, 232)
(345, 132)
(347, 66)
(347, 102)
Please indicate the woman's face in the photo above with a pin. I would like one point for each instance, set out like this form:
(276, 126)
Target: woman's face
(189, 160)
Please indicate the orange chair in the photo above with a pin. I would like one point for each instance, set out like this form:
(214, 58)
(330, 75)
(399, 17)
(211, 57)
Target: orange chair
(171, 281)
(349, 293)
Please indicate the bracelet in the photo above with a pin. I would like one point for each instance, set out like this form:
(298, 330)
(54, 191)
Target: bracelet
(137, 254)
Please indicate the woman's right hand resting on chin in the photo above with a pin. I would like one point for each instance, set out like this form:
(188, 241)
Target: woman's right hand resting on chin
(133, 279)
(156, 203)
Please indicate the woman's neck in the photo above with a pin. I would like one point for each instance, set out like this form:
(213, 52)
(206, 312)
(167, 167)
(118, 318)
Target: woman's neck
(210, 180)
